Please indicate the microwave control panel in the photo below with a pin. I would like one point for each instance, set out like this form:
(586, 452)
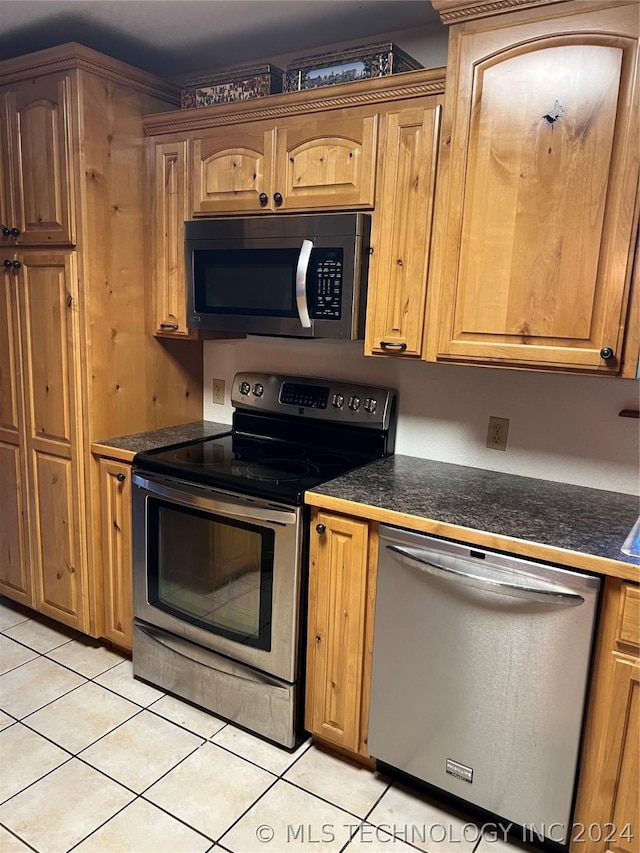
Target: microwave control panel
(327, 283)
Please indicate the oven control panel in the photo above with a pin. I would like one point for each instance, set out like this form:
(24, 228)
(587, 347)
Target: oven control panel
(322, 399)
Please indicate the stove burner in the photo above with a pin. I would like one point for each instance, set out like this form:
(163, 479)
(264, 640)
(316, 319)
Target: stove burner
(278, 470)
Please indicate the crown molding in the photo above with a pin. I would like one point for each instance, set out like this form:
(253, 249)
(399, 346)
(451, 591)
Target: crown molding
(457, 11)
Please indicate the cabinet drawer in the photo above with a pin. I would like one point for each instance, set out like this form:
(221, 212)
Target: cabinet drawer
(628, 632)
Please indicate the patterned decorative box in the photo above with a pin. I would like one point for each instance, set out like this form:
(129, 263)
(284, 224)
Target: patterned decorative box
(236, 84)
(356, 63)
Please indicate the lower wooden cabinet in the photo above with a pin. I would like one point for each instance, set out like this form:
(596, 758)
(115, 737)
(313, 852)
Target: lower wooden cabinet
(115, 551)
(607, 814)
(343, 560)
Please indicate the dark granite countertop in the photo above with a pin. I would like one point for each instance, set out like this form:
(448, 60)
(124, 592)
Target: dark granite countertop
(575, 518)
(139, 441)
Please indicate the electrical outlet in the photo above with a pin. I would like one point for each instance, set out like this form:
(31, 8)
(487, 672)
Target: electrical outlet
(218, 391)
(497, 433)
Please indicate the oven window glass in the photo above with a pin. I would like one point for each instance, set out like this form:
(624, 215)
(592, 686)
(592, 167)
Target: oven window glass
(258, 282)
(212, 572)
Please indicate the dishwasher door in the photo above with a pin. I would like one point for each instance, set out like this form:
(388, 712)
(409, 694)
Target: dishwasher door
(480, 669)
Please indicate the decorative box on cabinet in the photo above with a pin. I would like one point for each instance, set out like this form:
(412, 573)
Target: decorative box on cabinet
(343, 562)
(73, 315)
(536, 209)
(608, 802)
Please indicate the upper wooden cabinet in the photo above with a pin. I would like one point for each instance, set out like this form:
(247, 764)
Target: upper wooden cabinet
(327, 162)
(401, 231)
(537, 188)
(37, 197)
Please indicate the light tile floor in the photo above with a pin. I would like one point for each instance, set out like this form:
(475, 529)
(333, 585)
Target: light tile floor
(94, 761)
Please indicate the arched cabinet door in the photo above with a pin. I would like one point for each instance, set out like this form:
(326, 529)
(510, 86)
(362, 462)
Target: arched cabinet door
(38, 208)
(538, 186)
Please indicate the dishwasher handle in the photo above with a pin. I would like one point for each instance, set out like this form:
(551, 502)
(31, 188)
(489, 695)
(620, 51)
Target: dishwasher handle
(503, 582)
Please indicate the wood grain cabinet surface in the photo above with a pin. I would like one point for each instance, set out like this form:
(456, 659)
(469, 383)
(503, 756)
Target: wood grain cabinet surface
(37, 197)
(73, 316)
(115, 551)
(401, 230)
(323, 163)
(607, 817)
(536, 213)
(343, 560)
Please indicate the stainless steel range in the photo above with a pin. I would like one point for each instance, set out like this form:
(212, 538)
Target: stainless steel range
(219, 544)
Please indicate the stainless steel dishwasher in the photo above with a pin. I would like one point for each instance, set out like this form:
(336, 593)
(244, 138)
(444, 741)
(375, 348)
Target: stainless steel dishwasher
(480, 669)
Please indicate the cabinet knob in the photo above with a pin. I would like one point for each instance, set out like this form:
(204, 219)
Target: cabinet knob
(263, 198)
(277, 199)
(320, 528)
(15, 232)
(12, 264)
(6, 232)
(121, 477)
(606, 353)
(318, 638)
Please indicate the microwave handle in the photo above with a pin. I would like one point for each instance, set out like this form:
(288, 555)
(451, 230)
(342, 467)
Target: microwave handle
(301, 283)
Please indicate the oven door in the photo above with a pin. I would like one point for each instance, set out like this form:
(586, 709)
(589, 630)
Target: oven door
(220, 569)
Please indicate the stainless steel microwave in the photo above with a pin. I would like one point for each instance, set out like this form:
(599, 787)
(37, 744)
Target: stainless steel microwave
(290, 275)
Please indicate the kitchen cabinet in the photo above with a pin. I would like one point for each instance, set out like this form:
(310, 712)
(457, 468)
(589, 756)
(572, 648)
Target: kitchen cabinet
(537, 199)
(401, 232)
(169, 209)
(115, 551)
(324, 162)
(607, 814)
(36, 200)
(73, 316)
(343, 558)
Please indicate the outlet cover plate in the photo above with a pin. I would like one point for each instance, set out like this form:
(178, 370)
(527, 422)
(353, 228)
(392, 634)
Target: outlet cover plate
(497, 433)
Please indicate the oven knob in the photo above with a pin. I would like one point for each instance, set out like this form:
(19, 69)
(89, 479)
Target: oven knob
(370, 405)
(354, 403)
(338, 401)
(245, 388)
(258, 389)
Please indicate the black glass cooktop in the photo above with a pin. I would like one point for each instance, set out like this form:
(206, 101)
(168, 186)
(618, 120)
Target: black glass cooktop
(254, 465)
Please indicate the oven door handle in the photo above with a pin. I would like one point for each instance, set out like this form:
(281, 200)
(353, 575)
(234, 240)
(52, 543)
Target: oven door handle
(301, 283)
(217, 501)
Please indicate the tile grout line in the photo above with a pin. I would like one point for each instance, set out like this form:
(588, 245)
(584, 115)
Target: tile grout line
(15, 835)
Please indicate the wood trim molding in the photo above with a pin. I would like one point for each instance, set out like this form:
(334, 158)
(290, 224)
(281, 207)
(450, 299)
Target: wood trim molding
(457, 11)
(411, 84)
(75, 56)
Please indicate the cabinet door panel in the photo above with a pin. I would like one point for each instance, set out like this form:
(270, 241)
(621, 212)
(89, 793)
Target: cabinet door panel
(56, 558)
(231, 169)
(39, 126)
(10, 371)
(327, 162)
(401, 233)
(337, 594)
(170, 210)
(626, 699)
(15, 579)
(534, 247)
(115, 498)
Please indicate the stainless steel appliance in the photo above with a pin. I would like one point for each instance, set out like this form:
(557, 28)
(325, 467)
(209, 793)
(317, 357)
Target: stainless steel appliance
(219, 544)
(480, 668)
(300, 276)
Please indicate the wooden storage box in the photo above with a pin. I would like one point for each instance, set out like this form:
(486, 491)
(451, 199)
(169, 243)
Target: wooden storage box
(357, 63)
(235, 84)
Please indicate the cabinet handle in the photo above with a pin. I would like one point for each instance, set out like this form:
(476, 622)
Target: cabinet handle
(169, 326)
(121, 477)
(12, 264)
(263, 198)
(606, 353)
(393, 345)
(320, 528)
(277, 199)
